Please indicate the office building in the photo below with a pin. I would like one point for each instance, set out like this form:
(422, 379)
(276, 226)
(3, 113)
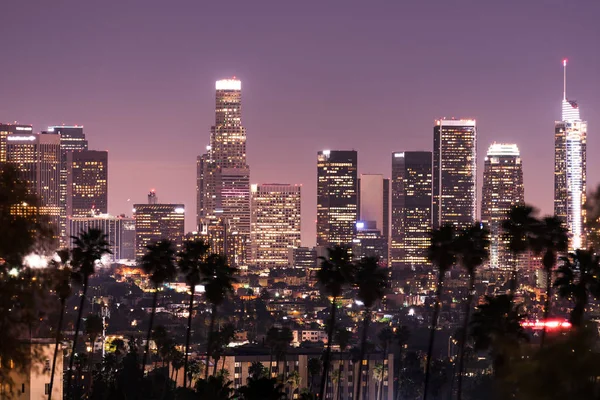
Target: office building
(454, 172)
(37, 157)
(570, 165)
(223, 175)
(275, 223)
(8, 129)
(87, 183)
(120, 232)
(502, 189)
(72, 138)
(154, 222)
(369, 242)
(411, 210)
(373, 201)
(337, 197)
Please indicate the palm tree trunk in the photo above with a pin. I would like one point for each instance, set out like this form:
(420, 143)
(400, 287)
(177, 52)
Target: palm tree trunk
(77, 327)
(436, 312)
(271, 364)
(363, 345)
(187, 336)
(463, 334)
(380, 390)
(548, 303)
(58, 332)
(327, 356)
(213, 315)
(149, 334)
(215, 366)
(513, 279)
(397, 369)
(223, 365)
(339, 385)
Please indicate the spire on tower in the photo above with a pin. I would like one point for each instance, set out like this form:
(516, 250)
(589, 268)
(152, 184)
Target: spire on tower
(565, 79)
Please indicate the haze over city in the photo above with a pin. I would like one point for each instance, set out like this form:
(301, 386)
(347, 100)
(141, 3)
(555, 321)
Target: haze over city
(338, 75)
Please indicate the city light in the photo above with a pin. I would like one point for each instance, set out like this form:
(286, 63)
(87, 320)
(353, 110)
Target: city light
(550, 324)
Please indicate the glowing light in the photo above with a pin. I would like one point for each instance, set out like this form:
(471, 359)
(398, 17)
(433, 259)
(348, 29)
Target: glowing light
(360, 225)
(398, 155)
(326, 152)
(411, 312)
(503, 149)
(23, 128)
(180, 210)
(565, 62)
(35, 261)
(229, 84)
(550, 324)
(12, 138)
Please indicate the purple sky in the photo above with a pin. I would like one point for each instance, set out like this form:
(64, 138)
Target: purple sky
(373, 76)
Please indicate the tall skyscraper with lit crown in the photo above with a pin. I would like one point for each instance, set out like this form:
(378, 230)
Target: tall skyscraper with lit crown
(570, 142)
(502, 189)
(223, 175)
(454, 172)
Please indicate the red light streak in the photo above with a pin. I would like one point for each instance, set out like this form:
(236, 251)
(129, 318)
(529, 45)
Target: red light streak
(550, 324)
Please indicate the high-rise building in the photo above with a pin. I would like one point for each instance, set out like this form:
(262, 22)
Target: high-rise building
(411, 210)
(72, 138)
(337, 197)
(454, 173)
(369, 242)
(154, 222)
(275, 223)
(87, 183)
(120, 232)
(502, 189)
(373, 210)
(570, 164)
(223, 175)
(7, 129)
(37, 156)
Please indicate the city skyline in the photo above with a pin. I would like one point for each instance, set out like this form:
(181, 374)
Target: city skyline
(525, 78)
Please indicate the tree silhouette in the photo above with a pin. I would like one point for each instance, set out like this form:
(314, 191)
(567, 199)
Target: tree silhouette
(191, 259)
(578, 279)
(442, 254)
(371, 280)
(342, 338)
(518, 229)
(159, 263)
(472, 252)
(89, 247)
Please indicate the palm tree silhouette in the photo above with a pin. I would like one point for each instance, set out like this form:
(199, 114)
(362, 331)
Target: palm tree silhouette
(496, 327)
(342, 337)
(518, 229)
(62, 288)
(578, 279)
(371, 280)
(89, 247)
(551, 239)
(159, 263)
(472, 251)
(218, 279)
(443, 255)
(335, 274)
(93, 328)
(385, 336)
(190, 261)
(401, 337)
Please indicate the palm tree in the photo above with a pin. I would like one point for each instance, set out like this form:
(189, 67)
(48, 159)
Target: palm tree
(379, 376)
(335, 274)
(159, 263)
(63, 290)
(214, 388)
(342, 337)
(271, 342)
(257, 370)
(262, 389)
(372, 282)
(89, 247)
(218, 279)
(442, 254)
(93, 328)
(190, 261)
(294, 379)
(518, 228)
(314, 369)
(550, 239)
(284, 338)
(496, 327)
(401, 337)
(578, 279)
(472, 252)
(385, 336)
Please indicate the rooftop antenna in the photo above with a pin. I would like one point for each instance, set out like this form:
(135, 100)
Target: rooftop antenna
(565, 79)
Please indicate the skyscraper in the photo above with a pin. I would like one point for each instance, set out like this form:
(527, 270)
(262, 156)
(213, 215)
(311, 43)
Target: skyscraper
(155, 221)
(72, 138)
(275, 223)
(411, 210)
(373, 214)
(454, 172)
(570, 141)
(87, 183)
(7, 129)
(223, 176)
(120, 232)
(337, 202)
(502, 189)
(37, 156)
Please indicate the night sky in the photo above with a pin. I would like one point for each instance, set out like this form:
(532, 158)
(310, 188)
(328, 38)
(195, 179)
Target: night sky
(364, 75)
